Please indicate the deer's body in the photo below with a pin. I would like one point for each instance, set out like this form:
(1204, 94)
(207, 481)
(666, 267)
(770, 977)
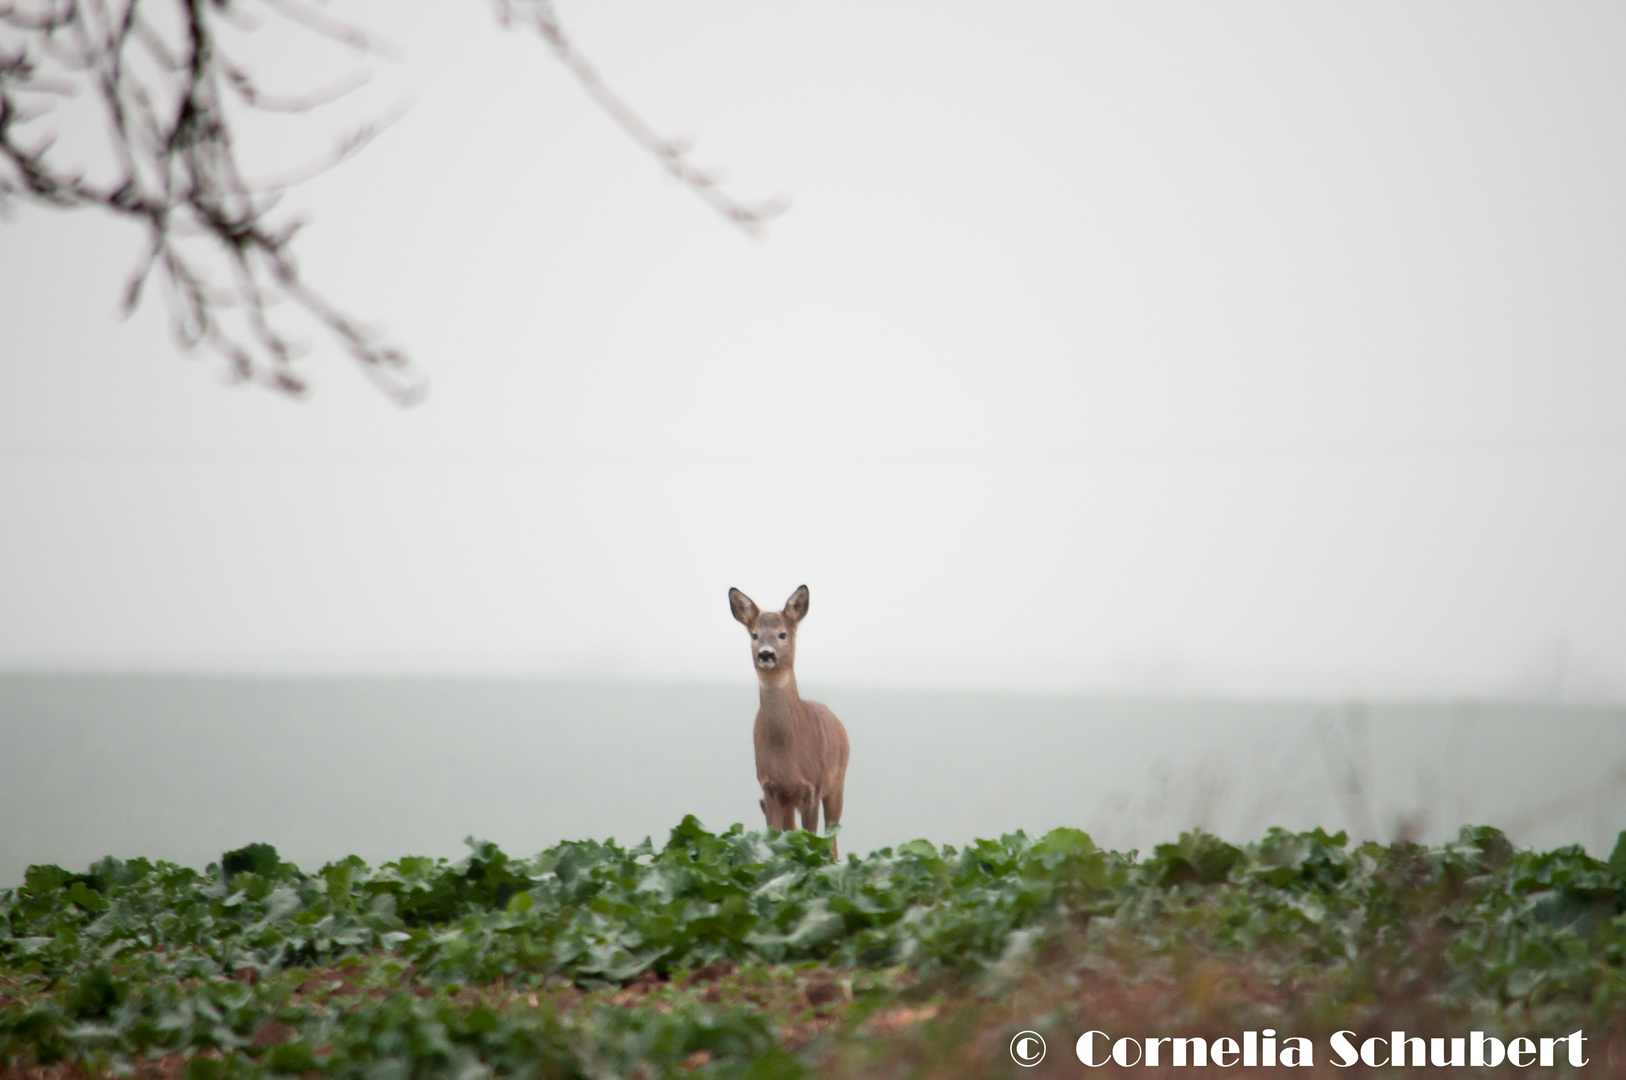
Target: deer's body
(801, 746)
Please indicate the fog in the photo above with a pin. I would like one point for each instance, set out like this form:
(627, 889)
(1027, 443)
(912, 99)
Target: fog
(185, 768)
(1259, 354)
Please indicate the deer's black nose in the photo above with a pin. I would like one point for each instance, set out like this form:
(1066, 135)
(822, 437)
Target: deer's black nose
(765, 654)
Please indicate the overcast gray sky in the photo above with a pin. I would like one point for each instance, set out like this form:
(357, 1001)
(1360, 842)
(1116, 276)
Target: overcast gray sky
(1246, 348)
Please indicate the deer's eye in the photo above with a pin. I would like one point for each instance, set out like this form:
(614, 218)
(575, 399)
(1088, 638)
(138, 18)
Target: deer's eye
(753, 637)
(781, 637)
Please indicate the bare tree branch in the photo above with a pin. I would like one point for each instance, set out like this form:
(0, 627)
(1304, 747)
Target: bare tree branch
(333, 29)
(673, 154)
(171, 144)
(160, 76)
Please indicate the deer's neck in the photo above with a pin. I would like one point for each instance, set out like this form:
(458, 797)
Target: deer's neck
(779, 697)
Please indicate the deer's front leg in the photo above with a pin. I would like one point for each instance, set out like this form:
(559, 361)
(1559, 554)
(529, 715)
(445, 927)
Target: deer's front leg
(810, 810)
(779, 808)
(832, 815)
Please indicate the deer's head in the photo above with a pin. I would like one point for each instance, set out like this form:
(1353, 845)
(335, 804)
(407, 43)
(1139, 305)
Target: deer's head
(773, 633)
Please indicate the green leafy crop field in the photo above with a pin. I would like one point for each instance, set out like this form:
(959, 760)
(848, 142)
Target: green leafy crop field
(745, 954)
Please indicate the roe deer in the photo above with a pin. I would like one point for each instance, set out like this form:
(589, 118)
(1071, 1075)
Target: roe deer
(801, 746)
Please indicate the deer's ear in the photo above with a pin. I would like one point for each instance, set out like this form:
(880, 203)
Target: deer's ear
(796, 606)
(742, 607)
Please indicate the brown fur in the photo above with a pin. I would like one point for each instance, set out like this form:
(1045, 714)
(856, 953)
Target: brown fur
(801, 746)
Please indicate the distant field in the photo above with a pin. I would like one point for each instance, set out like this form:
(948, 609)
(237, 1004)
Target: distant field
(182, 768)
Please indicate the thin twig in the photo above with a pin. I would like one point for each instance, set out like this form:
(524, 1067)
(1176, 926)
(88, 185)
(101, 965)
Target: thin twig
(673, 154)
